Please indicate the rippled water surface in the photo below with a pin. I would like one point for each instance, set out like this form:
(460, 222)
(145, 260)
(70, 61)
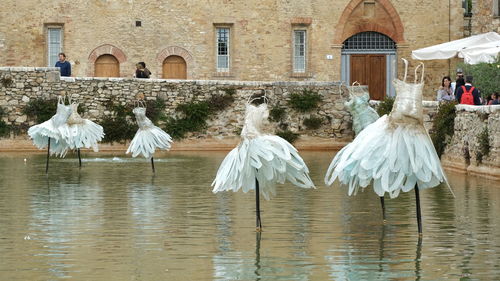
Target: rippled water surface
(115, 220)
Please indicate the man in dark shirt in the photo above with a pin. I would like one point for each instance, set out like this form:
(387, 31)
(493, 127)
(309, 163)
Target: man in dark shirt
(142, 71)
(64, 65)
(468, 86)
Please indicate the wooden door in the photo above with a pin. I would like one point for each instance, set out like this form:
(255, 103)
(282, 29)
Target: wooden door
(107, 66)
(370, 70)
(174, 67)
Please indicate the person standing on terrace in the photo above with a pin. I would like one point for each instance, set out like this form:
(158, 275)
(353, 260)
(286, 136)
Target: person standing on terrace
(65, 66)
(445, 92)
(468, 94)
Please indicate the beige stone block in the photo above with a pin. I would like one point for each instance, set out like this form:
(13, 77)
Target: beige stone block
(21, 119)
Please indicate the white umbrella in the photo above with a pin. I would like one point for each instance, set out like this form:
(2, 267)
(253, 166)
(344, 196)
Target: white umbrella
(450, 49)
(486, 52)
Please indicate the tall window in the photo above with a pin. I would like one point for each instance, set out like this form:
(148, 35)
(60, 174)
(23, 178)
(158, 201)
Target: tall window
(496, 8)
(467, 5)
(54, 44)
(299, 51)
(223, 49)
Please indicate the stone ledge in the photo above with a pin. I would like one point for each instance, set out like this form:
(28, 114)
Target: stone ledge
(29, 69)
(191, 81)
(458, 165)
(430, 103)
(209, 82)
(67, 79)
(425, 103)
(478, 108)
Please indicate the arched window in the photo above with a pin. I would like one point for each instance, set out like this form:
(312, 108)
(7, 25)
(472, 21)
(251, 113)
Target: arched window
(107, 66)
(369, 58)
(174, 67)
(369, 41)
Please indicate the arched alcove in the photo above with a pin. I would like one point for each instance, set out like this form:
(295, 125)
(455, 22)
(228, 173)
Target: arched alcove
(175, 54)
(105, 49)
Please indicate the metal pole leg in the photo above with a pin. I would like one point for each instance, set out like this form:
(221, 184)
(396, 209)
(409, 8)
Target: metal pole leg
(79, 158)
(48, 155)
(383, 206)
(257, 204)
(419, 214)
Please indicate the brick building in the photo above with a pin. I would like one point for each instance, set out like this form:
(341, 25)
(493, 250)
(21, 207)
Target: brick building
(485, 16)
(267, 40)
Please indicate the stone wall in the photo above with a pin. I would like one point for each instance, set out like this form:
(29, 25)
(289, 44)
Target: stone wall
(462, 150)
(31, 83)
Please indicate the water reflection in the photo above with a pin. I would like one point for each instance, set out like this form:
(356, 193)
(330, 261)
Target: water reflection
(116, 220)
(418, 259)
(258, 237)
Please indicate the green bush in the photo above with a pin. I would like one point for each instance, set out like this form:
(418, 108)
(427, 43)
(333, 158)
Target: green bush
(4, 128)
(486, 76)
(237, 131)
(220, 102)
(41, 109)
(443, 126)
(195, 110)
(194, 119)
(7, 81)
(230, 91)
(155, 110)
(196, 113)
(313, 122)
(121, 125)
(305, 102)
(277, 113)
(118, 127)
(288, 135)
(2, 112)
(484, 145)
(385, 106)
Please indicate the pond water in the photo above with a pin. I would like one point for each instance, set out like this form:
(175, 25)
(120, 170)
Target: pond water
(115, 220)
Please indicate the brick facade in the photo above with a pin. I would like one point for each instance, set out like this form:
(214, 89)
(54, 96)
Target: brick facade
(261, 34)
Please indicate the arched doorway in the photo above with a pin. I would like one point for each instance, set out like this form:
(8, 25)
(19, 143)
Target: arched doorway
(370, 59)
(107, 66)
(174, 67)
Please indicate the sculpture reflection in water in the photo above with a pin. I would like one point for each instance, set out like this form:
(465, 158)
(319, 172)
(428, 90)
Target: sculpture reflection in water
(395, 153)
(258, 237)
